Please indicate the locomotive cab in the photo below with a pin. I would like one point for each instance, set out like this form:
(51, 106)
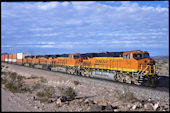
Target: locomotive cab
(74, 56)
(143, 61)
(145, 66)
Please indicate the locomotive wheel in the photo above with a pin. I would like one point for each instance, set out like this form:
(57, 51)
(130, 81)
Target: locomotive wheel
(137, 83)
(124, 81)
(131, 82)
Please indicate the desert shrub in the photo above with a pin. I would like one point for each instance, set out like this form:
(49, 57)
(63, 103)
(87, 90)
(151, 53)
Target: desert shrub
(51, 91)
(76, 82)
(46, 93)
(61, 89)
(126, 95)
(68, 92)
(11, 87)
(25, 89)
(44, 99)
(14, 83)
(43, 80)
(41, 94)
(4, 80)
(36, 85)
(12, 76)
(17, 88)
(12, 73)
(4, 73)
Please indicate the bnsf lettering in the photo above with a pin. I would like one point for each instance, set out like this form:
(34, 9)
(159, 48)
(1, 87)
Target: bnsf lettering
(62, 61)
(101, 61)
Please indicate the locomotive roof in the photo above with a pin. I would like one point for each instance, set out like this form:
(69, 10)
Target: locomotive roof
(106, 54)
(102, 54)
(64, 55)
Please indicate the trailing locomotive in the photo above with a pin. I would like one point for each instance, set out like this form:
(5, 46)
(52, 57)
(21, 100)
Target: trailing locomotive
(130, 67)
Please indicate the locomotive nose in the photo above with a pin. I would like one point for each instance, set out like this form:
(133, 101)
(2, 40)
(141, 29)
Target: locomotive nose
(150, 61)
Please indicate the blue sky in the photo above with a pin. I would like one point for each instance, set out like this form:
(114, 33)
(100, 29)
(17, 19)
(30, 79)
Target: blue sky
(81, 27)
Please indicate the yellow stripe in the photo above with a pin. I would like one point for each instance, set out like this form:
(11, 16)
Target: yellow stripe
(62, 58)
(120, 69)
(108, 58)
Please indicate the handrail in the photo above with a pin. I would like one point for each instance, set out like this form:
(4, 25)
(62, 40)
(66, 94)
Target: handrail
(139, 75)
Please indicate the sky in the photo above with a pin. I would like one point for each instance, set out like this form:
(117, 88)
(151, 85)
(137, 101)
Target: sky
(85, 27)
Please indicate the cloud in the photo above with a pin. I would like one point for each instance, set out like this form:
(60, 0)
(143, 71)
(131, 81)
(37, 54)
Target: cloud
(41, 29)
(48, 5)
(84, 25)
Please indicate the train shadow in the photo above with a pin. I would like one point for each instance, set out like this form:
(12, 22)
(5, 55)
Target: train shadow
(163, 82)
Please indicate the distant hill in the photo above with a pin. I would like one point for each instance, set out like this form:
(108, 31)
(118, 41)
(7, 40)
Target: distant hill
(4, 53)
(161, 57)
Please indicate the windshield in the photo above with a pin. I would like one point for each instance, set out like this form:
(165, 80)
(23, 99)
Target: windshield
(137, 56)
(75, 57)
(146, 55)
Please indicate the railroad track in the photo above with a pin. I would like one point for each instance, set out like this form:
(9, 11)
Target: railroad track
(107, 83)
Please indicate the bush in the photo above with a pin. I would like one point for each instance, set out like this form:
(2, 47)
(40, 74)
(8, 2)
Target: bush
(44, 99)
(41, 94)
(4, 73)
(11, 87)
(17, 88)
(25, 89)
(69, 93)
(43, 80)
(15, 83)
(46, 93)
(127, 95)
(36, 85)
(4, 80)
(76, 82)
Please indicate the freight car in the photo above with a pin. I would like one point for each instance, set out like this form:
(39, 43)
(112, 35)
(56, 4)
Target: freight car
(130, 66)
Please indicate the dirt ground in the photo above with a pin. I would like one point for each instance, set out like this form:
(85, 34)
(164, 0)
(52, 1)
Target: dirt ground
(163, 67)
(64, 94)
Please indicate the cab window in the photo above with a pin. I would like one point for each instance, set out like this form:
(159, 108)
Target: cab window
(127, 56)
(76, 57)
(146, 55)
(137, 56)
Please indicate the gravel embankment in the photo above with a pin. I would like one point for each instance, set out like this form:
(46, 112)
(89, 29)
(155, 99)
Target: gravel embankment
(92, 94)
(142, 91)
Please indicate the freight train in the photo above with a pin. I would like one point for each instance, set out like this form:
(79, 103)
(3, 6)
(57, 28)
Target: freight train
(134, 67)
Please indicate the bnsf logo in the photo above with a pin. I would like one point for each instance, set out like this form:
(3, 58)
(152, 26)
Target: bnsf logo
(62, 61)
(101, 61)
